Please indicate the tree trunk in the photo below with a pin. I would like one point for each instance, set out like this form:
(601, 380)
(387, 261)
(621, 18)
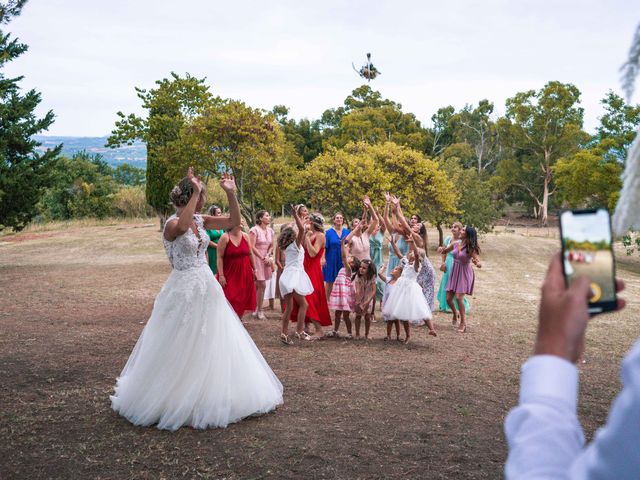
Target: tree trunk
(545, 199)
(440, 235)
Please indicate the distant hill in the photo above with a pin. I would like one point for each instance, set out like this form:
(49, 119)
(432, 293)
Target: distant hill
(135, 155)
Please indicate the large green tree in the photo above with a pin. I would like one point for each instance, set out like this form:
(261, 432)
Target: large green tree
(231, 136)
(24, 173)
(540, 127)
(617, 128)
(305, 135)
(474, 126)
(172, 104)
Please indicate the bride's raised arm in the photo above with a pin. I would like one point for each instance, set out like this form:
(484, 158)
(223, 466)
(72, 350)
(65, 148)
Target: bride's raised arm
(228, 184)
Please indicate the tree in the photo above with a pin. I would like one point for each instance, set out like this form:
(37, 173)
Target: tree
(475, 127)
(540, 127)
(585, 179)
(129, 175)
(173, 103)
(24, 173)
(81, 187)
(339, 178)
(231, 136)
(617, 128)
(441, 132)
(304, 135)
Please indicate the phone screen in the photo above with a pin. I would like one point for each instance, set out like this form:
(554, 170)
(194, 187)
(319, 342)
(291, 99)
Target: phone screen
(587, 251)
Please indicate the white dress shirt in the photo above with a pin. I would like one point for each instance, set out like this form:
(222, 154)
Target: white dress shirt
(545, 437)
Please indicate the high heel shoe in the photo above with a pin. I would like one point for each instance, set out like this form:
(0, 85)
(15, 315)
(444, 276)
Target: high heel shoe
(285, 339)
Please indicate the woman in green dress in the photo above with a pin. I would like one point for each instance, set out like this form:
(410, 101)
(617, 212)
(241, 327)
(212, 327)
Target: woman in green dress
(445, 268)
(214, 237)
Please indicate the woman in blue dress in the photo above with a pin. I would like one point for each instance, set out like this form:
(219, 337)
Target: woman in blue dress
(445, 268)
(333, 251)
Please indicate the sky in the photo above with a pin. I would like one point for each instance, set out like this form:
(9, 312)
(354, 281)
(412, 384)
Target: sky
(592, 228)
(86, 56)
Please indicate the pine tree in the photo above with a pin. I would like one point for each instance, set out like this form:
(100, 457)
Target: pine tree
(24, 173)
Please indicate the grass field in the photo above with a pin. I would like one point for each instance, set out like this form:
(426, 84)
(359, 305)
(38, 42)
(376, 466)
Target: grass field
(76, 298)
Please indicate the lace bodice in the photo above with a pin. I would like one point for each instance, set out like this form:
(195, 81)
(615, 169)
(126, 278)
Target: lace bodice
(408, 270)
(187, 251)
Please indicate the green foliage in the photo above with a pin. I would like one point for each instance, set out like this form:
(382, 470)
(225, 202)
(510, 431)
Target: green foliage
(129, 175)
(304, 135)
(131, 202)
(81, 188)
(585, 245)
(170, 106)
(617, 128)
(631, 242)
(477, 202)
(585, 179)
(231, 136)
(367, 117)
(441, 134)
(339, 178)
(539, 128)
(24, 174)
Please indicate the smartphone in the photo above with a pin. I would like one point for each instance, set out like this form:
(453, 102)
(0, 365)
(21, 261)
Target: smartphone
(587, 250)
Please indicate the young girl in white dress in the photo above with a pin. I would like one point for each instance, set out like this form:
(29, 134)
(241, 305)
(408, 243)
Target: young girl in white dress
(406, 301)
(194, 363)
(294, 282)
(389, 285)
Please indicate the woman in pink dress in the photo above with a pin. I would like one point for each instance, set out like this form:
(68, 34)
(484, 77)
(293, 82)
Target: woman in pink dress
(358, 238)
(261, 241)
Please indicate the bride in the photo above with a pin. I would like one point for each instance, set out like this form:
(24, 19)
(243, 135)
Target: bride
(194, 363)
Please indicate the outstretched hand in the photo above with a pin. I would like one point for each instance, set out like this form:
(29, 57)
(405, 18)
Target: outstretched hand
(564, 313)
(195, 181)
(228, 183)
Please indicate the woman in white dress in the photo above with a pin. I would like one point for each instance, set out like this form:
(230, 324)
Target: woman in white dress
(194, 363)
(294, 282)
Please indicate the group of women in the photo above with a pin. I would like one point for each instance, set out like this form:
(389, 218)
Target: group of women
(249, 268)
(195, 364)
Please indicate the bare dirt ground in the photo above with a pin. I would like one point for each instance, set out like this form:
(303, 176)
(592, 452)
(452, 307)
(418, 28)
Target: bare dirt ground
(75, 300)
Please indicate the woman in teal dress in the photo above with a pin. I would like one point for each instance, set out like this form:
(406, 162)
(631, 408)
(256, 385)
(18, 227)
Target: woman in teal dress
(214, 237)
(445, 268)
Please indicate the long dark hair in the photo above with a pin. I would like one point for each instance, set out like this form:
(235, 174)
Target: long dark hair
(286, 238)
(371, 269)
(471, 240)
(354, 268)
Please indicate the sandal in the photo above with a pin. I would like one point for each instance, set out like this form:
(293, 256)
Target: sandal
(285, 339)
(303, 335)
(348, 336)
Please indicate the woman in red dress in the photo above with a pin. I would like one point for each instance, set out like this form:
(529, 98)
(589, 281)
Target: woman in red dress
(317, 310)
(236, 270)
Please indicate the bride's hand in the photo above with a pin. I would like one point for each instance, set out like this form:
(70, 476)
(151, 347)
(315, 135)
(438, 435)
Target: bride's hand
(228, 183)
(195, 181)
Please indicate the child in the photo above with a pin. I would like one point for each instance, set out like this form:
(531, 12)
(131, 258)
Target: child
(341, 300)
(363, 286)
(388, 288)
(406, 301)
(294, 281)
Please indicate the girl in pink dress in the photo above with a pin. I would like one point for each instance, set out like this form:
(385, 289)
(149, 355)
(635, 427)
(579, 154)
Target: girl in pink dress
(261, 240)
(342, 300)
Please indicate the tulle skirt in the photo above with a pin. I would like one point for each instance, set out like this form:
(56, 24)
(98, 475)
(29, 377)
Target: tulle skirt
(295, 279)
(406, 302)
(194, 363)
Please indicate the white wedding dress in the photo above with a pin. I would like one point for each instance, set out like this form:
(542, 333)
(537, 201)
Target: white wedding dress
(194, 363)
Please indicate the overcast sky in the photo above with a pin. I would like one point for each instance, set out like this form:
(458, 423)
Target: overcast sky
(86, 56)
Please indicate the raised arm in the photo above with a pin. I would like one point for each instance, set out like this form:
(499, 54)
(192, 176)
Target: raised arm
(300, 225)
(416, 255)
(385, 217)
(396, 251)
(381, 275)
(228, 184)
(374, 216)
(343, 250)
(222, 246)
(310, 247)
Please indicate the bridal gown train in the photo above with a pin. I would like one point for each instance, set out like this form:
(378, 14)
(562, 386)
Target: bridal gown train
(194, 363)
